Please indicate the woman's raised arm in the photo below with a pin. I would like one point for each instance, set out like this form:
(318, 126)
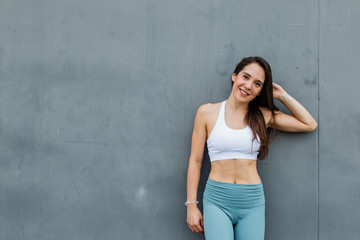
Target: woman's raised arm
(301, 121)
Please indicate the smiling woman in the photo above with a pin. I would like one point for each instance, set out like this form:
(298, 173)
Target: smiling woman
(237, 133)
(252, 91)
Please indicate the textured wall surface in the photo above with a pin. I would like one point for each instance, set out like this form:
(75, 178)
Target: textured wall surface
(98, 99)
(339, 134)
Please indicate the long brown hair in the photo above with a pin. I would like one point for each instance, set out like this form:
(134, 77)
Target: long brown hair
(254, 117)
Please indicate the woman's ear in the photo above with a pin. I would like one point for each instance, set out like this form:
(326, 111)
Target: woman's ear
(233, 77)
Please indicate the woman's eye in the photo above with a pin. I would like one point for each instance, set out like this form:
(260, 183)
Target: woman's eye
(246, 77)
(257, 84)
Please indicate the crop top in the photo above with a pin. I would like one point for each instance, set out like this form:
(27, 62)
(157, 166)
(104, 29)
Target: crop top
(227, 143)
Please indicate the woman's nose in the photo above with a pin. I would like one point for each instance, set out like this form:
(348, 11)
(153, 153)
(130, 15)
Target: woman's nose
(248, 85)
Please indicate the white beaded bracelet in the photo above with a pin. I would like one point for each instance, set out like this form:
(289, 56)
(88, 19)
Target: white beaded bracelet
(186, 203)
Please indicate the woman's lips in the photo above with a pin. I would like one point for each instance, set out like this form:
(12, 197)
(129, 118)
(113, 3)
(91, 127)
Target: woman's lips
(243, 94)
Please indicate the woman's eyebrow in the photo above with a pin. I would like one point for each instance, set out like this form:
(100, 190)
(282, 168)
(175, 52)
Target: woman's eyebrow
(255, 80)
(247, 74)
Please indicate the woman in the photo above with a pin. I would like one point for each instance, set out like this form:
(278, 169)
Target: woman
(233, 200)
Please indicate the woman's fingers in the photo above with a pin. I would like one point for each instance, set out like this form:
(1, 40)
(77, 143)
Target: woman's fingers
(193, 229)
(195, 221)
(196, 228)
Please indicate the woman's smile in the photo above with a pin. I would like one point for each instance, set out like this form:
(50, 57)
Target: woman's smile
(243, 93)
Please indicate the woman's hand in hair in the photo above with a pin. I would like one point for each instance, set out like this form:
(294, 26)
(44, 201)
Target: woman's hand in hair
(195, 219)
(278, 91)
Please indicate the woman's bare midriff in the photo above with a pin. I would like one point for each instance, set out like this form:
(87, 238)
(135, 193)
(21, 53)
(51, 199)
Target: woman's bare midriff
(239, 171)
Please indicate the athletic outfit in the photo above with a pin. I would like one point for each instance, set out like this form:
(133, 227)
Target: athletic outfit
(233, 211)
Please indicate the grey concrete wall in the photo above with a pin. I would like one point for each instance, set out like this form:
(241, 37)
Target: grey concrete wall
(339, 134)
(98, 99)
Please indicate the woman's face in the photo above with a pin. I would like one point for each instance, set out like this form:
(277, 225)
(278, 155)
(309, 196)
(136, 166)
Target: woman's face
(249, 82)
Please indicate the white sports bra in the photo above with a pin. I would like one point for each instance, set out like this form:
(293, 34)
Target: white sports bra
(227, 143)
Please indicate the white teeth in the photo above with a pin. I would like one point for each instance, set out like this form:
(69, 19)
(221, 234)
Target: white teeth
(244, 92)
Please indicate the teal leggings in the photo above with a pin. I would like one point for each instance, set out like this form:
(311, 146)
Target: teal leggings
(233, 211)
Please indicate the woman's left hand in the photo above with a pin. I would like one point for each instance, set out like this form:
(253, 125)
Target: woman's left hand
(278, 91)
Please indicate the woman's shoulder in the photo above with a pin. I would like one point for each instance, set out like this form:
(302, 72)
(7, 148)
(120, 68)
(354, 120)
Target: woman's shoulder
(266, 112)
(209, 110)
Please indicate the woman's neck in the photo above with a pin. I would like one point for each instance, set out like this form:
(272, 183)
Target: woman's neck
(237, 106)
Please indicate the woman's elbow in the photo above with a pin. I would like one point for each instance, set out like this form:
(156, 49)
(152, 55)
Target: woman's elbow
(195, 161)
(313, 127)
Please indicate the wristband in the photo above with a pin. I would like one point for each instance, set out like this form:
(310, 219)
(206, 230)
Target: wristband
(186, 203)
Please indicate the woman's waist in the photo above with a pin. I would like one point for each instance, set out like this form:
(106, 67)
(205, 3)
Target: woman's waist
(240, 171)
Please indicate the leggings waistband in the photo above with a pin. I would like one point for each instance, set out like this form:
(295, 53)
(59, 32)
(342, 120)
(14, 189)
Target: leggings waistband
(235, 195)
